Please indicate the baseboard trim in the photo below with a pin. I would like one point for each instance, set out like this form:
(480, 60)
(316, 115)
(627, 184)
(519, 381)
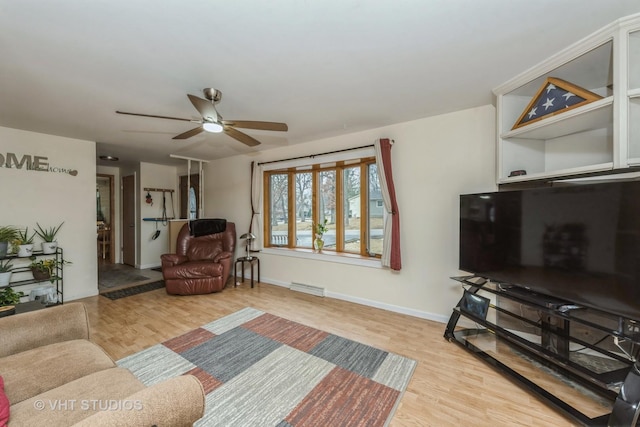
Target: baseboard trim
(371, 303)
(308, 289)
(76, 296)
(147, 266)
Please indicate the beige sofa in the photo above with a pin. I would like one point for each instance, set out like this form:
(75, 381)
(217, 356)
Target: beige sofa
(55, 376)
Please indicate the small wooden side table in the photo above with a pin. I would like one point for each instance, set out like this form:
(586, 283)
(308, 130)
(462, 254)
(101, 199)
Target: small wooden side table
(252, 261)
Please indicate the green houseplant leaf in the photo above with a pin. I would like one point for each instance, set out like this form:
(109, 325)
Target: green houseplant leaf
(9, 297)
(48, 266)
(6, 266)
(47, 234)
(8, 233)
(23, 237)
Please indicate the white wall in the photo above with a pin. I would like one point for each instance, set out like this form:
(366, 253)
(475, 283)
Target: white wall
(155, 176)
(50, 198)
(435, 160)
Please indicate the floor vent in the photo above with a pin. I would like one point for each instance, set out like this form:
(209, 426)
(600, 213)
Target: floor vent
(307, 289)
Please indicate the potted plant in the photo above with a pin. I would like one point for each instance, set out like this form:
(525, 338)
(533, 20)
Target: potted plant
(23, 243)
(8, 233)
(8, 300)
(48, 235)
(5, 272)
(319, 230)
(45, 268)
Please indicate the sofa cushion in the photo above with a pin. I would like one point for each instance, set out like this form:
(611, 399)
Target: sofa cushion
(176, 402)
(38, 328)
(34, 371)
(205, 250)
(4, 405)
(70, 403)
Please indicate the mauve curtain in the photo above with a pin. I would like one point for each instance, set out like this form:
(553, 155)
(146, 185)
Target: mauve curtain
(391, 244)
(256, 205)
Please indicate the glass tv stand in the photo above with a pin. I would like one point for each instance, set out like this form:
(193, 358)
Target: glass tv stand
(579, 360)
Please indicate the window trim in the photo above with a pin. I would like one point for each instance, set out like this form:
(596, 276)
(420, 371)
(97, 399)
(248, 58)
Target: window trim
(363, 161)
(336, 257)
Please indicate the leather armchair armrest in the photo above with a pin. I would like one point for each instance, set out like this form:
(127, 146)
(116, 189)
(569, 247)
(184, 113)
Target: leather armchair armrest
(221, 256)
(169, 260)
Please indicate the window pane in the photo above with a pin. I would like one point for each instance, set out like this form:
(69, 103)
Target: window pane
(278, 206)
(352, 214)
(303, 209)
(327, 208)
(193, 204)
(375, 212)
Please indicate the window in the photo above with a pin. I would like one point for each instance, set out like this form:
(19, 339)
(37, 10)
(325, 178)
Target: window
(375, 219)
(353, 211)
(346, 194)
(303, 181)
(279, 209)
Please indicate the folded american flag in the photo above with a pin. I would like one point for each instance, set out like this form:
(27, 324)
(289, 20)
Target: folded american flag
(555, 96)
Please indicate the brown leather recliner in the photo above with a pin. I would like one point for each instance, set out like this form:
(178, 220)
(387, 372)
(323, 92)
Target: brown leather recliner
(201, 265)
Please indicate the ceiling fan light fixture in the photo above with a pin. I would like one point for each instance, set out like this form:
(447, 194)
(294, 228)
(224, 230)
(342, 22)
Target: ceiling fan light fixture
(212, 127)
(211, 121)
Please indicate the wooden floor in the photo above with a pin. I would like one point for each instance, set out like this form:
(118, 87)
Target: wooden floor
(450, 387)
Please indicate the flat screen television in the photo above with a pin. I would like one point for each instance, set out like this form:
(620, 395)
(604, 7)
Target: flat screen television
(578, 243)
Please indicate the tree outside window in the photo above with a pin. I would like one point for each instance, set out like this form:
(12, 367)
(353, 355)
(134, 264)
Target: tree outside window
(346, 194)
(278, 209)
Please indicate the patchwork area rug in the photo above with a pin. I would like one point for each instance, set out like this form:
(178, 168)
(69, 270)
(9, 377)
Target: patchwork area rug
(262, 370)
(133, 290)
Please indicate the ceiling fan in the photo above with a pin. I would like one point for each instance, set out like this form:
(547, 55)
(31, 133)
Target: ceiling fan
(212, 121)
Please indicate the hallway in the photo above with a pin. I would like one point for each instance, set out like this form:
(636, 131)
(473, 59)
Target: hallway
(118, 276)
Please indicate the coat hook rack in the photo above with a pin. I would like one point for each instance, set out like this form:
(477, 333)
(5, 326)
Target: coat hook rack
(162, 190)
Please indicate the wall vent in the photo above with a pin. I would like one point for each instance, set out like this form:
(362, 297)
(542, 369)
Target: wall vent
(307, 289)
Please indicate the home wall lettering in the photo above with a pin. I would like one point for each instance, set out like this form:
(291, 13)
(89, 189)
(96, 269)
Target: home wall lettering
(32, 163)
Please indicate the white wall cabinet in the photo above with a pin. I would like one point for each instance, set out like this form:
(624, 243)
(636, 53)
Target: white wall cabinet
(600, 137)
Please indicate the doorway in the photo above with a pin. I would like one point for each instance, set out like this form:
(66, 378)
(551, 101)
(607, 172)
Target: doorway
(129, 220)
(189, 196)
(105, 216)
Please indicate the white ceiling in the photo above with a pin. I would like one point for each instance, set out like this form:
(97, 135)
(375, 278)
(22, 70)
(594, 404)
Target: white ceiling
(324, 67)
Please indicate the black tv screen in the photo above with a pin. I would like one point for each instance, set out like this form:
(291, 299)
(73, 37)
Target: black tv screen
(579, 243)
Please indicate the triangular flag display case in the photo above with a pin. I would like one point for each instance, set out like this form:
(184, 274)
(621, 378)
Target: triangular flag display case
(555, 96)
(575, 114)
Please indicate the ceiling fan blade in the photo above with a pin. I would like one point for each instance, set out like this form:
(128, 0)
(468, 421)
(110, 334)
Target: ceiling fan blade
(189, 133)
(249, 124)
(205, 108)
(240, 136)
(154, 116)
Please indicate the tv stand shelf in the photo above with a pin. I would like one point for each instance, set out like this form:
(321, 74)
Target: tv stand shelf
(579, 360)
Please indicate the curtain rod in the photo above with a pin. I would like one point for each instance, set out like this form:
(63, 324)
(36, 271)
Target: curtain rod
(311, 156)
